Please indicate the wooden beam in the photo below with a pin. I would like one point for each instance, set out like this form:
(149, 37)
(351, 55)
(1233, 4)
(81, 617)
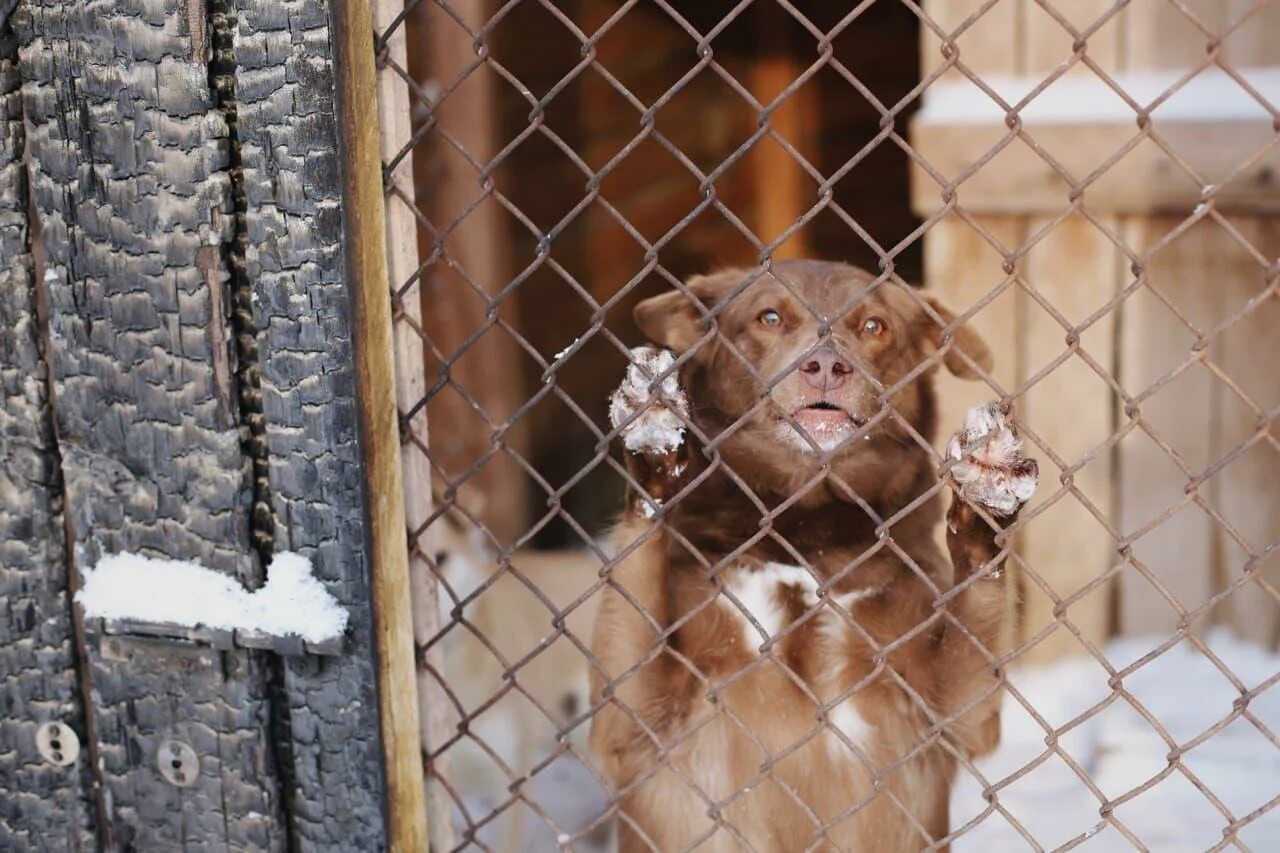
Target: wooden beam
(1247, 489)
(367, 277)
(1173, 426)
(395, 122)
(150, 463)
(1146, 180)
(1071, 410)
(783, 190)
(472, 264)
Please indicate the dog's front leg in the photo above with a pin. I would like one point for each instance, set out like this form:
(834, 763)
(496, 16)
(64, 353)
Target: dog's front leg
(990, 472)
(634, 610)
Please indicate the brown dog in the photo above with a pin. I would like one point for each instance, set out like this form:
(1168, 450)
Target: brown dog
(790, 662)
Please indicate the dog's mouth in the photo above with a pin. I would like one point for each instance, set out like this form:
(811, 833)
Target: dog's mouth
(825, 419)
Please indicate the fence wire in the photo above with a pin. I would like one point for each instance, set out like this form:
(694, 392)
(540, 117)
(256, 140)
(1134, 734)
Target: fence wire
(474, 823)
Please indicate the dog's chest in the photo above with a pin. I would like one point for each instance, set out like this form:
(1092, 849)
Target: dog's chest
(783, 611)
(768, 600)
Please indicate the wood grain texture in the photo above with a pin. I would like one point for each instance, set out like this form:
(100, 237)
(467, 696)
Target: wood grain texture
(1070, 409)
(1247, 489)
(40, 803)
(1174, 424)
(396, 132)
(288, 130)
(130, 161)
(466, 252)
(364, 224)
(987, 45)
(963, 269)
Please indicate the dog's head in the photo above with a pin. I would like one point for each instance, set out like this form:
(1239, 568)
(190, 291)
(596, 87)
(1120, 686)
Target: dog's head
(806, 358)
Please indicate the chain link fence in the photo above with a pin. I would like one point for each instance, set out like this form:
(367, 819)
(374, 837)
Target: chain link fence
(523, 233)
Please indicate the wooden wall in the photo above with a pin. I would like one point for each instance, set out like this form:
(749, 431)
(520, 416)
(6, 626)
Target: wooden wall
(1088, 307)
(177, 380)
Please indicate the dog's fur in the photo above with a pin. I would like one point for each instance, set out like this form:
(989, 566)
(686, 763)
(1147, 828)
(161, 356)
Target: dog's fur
(769, 717)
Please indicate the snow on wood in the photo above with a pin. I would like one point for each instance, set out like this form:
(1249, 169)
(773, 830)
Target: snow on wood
(1120, 751)
(1211, 96)
(131, 586)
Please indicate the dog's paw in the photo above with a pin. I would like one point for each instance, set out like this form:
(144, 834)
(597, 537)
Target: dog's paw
(989, 466)
(651, 423)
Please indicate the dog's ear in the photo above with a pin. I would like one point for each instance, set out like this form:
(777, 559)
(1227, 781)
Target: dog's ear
(672, 320)
(963, 340)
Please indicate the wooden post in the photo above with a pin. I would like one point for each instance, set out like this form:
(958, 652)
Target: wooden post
(366, 234)
(394, 117)
(469, 264)
(783, 190)
(151, 462)
(207, 273)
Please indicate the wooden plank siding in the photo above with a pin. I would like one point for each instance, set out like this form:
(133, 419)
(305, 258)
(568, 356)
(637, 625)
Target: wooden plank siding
(41, 804)
(299, 238)
(130, 159)
(1186, 529)
(187, 176)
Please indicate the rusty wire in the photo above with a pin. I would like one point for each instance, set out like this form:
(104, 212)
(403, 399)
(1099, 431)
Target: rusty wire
(449, 483)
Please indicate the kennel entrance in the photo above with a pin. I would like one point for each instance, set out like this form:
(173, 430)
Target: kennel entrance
(1091, 187)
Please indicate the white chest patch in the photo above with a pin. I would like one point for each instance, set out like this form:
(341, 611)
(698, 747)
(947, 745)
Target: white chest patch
(845, 719)
(762, 593)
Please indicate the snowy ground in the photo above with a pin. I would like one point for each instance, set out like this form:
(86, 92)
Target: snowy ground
(1120, 751)
(1116, 747)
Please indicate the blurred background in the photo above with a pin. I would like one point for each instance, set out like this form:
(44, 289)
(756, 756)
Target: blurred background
(1094, 185)
(1121, 262)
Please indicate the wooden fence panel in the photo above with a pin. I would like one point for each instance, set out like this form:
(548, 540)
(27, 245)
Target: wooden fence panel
(41, 803)
(132, 184)
(287, 139)
(189, 177)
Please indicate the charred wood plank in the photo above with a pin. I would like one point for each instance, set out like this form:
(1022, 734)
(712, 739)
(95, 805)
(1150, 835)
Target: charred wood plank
(41, 803)
(287, 129)
(131, 163)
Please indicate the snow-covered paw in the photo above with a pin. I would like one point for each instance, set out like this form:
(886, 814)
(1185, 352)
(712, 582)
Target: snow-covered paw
(989, 466)
(650, 423)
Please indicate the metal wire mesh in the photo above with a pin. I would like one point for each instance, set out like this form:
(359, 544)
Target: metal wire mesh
(499, 427)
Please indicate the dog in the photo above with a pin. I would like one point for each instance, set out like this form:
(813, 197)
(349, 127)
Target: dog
(789, 662)
(490, 729)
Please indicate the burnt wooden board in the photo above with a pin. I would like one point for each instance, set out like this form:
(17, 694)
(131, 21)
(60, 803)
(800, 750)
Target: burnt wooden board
(40, 802)
(287, 133)
(130, 157)
(187, 173)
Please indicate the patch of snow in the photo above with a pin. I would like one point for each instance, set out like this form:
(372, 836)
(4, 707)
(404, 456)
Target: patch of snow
(659, 428)
(565, 351)
(1210, 96)
(292, 601)
(1121, 751)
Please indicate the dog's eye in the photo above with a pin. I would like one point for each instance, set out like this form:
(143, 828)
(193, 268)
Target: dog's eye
(769, 317)
(873, 326)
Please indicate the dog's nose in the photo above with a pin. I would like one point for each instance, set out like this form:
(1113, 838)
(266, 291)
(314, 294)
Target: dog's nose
(825, 370)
